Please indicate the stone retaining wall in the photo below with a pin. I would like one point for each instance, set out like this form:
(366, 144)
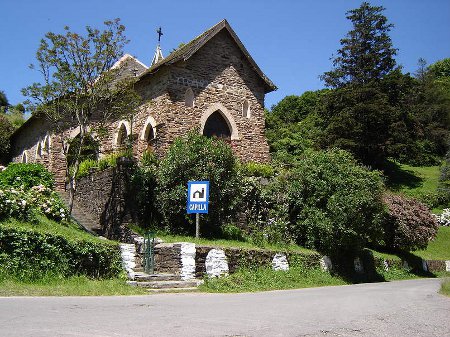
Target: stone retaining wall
(168, 260)
(103, 195)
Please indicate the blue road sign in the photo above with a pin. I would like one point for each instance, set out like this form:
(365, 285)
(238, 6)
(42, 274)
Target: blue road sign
(198, 197)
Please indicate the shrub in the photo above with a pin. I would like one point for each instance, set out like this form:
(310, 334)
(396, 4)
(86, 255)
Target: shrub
(25, 204)
(252, 169)
(263, 209)
(197, 157)
(334, 203)
(443, 190)
(6, 129)
(86, 166)
(30, 254)
(143, 189)
(409, 225)
(108, 161)
(26, 176)
(444, 218)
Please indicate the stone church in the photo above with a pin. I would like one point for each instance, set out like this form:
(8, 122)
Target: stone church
(211, 84)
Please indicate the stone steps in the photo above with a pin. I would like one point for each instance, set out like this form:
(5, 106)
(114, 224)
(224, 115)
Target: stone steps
(163, 282)
(173, 290)
(143, 277)
(169, 284)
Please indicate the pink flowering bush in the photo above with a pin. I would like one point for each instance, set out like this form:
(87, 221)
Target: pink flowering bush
(408, 224)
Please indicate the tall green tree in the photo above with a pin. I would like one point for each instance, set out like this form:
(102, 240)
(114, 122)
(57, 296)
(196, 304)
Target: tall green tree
(6, 129)
(293, 124)
(357, 119)
(80, 89)
(3, 101)
(358, 113)
(366, 53)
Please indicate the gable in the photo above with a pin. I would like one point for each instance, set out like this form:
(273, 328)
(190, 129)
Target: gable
(187, 51)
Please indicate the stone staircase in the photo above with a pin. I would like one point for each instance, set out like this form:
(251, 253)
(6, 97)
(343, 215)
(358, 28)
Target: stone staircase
(85, 220)
(158, 282)
(164, 282)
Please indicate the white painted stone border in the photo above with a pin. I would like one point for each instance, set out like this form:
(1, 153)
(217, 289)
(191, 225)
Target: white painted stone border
(216, 263)
(128, 252)
(187, 256)
(280, 262)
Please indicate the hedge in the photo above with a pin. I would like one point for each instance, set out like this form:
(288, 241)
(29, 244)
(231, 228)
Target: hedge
(29, 254)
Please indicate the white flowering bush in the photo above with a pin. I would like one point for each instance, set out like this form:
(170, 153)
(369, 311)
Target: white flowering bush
(24, 203)
(444, 218)
(14, 203)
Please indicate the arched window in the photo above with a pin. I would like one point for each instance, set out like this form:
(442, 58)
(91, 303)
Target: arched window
(217, 126)
(39, 150)
(25, 157)
(122, 134)
(246, 109)
(89, 149)
(149, 133)
(46, 147)
(189, 98)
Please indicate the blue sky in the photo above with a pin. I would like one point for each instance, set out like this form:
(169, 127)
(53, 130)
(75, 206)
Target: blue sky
(292, 41)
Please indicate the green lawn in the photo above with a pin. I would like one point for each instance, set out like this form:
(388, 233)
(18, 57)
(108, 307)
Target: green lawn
(439, 249)
(222, 243)
(418, 182)
(261, 279)
(45, 225)
(72, 286)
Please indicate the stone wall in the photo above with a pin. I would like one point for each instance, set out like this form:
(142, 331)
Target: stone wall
(103, 195)
(168, 260)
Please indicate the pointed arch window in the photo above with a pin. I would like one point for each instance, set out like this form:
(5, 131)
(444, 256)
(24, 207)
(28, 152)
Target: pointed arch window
(189, 99)
(246, 109)
(46, 147)
(39, 150)
(25, 157)
(217, 126)
(122, 134)
(149, 133)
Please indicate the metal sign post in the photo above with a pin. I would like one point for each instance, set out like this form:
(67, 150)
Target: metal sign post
(197, 225)
(197, 201)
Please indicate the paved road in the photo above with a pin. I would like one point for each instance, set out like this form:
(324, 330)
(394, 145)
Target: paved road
(404, 308)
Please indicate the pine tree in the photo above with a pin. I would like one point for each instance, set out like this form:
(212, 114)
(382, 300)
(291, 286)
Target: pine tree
(367, 53)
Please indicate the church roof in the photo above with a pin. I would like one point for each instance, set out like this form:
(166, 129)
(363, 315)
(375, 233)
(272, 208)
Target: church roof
(186, 51)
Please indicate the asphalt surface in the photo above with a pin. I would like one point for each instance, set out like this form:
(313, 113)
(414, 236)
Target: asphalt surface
(402, 308)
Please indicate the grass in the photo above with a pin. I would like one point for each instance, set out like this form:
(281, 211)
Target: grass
(72, 286)
(418, 182)
(251, 280)
(223, 243)
(445, 287)
(385, 256)
(56, 285)
(45, 225)
(439, 249)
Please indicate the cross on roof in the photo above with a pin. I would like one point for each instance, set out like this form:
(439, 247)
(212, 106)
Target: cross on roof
(160, 33)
